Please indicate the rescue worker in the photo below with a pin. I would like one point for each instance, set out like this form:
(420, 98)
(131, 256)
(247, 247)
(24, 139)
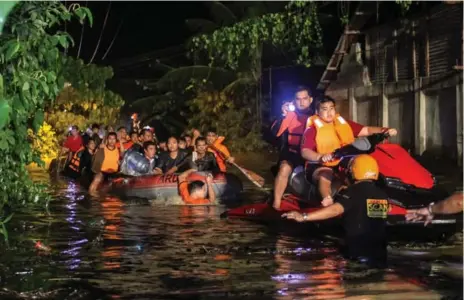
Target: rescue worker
(449, 206)
(72, 143)
(290, 129)
(218, 149)
(106, 162)
(202, 160)
(196, 192)
(172, 161)
(326, 132)
(81, 162)
(135, 163)
(364, 207)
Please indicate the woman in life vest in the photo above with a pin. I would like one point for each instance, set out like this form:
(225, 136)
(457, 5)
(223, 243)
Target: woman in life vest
(81, 162)
(326, 132)
(290, 129)
(106, 161)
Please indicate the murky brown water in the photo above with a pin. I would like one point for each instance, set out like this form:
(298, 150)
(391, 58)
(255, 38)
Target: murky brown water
(108, 249)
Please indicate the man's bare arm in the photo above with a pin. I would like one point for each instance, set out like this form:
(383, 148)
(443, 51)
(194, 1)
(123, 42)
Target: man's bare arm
(310, 155)
(451, 205)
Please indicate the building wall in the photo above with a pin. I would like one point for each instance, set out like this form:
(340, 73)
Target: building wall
(410, 82)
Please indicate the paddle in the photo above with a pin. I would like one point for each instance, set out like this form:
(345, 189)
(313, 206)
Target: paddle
(252, 176)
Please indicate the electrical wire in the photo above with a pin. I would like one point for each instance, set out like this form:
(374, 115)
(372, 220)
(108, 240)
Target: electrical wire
(101, 33)
(114, 38)
(82, 33)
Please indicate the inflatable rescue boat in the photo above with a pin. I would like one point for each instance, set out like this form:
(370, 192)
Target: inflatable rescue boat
(160, 187)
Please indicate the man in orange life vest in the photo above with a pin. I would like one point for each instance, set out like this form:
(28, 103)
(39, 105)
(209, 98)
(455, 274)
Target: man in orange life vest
(106, 161)
(327, 131)
(293, 124)
(218, 149)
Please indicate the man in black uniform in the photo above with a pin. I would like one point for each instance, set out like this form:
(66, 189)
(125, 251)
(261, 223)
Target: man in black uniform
(365, 208)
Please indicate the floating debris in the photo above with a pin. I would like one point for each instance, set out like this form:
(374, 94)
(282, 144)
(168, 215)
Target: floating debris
(42, 247)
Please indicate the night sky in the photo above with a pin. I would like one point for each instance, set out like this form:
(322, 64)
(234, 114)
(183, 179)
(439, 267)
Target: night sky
(146, 26)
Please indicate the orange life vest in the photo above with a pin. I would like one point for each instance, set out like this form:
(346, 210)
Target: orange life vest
(295, 124)
(76, 160)
(126, 145)
(110, 163)
(331, 136)
(222, 155)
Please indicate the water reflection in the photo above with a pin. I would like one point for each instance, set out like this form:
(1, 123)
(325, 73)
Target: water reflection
(158, 252)
(73, 195)
(112, 209)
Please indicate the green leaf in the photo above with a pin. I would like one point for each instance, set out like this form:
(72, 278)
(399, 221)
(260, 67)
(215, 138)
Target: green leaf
(3, 144)
(89, 15)
(38, 120)
(4, 113)
(63, 39)
(7, 219)
(51, 77)
(1, 86)
(12, 49)
(26, 86)
(45, 87)
(5, 233)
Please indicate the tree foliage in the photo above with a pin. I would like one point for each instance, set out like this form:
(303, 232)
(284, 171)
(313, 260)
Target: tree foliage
(84, 99)
(30, 81)
(228, 116)
(44, 142)
(296, 28)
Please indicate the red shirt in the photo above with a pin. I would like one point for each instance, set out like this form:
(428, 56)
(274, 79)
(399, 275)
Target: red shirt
(73, 143)
(309, 136)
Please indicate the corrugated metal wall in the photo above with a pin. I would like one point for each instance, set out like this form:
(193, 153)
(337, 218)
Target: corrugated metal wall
(440, 31)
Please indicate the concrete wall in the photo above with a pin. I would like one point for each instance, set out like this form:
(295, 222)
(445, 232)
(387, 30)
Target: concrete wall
(407, 80)
(427, 113)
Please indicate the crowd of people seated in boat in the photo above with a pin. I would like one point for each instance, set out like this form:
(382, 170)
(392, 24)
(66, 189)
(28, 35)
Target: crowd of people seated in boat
(101, 154)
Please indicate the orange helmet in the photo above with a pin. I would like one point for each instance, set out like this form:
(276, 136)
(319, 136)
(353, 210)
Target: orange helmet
(364, 167)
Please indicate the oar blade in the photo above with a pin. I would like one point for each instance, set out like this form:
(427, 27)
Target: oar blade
(255, 178)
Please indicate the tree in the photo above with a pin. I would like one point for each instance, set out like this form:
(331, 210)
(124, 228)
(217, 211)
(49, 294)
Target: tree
(85, 99)
(29, 81)
(239, 45)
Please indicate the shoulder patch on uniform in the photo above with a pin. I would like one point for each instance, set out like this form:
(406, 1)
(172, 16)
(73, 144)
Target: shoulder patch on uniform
(318, 123)
(341, 120)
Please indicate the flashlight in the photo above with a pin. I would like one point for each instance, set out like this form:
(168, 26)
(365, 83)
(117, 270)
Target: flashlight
(70, 128)
(291, 107)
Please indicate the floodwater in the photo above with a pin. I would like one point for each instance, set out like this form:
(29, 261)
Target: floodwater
(106, 248)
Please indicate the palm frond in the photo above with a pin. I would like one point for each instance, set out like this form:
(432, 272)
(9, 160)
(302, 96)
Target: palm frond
(238, 84)
(153, 99)
(221, 14)
(201, 25)
(159, 66)
(181, 77)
